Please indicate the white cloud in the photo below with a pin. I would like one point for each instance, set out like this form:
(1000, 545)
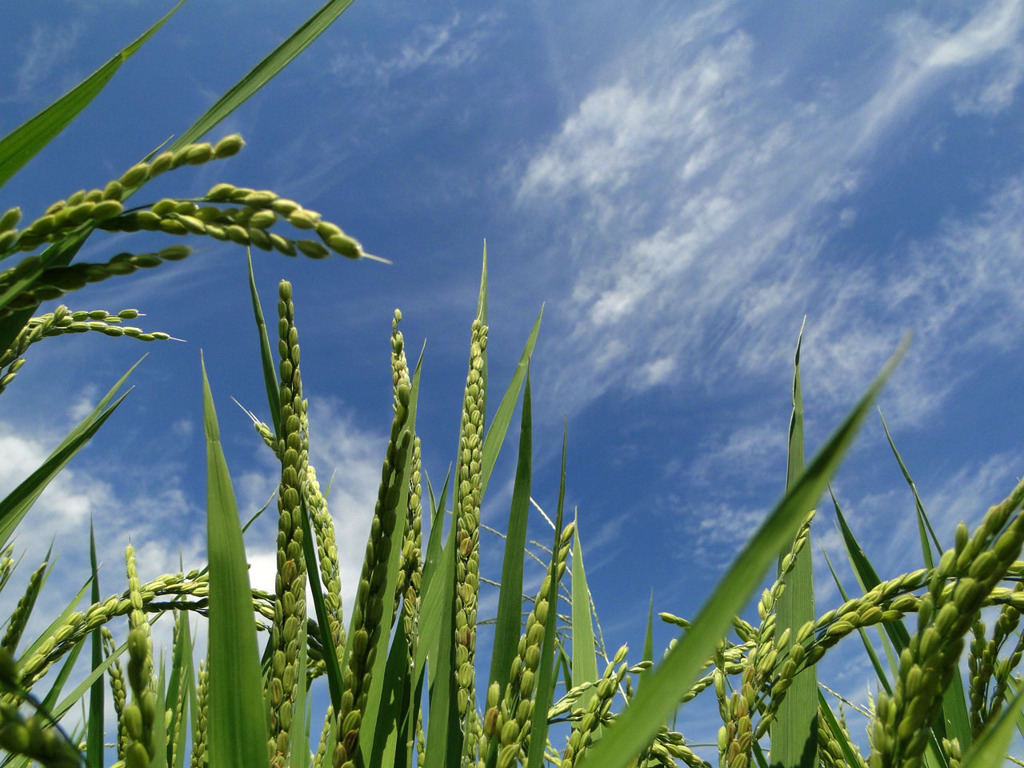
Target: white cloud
(700, 199)
(447, 45)
(46, 49)
(757, 450)
(66, 504)
(929, 54)
(83, 403)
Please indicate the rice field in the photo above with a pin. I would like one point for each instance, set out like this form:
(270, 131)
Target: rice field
(405, 678)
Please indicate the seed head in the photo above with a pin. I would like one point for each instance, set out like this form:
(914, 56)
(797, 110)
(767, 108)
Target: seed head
(230, 145)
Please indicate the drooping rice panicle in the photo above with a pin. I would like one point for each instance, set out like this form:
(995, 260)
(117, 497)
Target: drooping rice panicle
(78, 624)
(90, 208)
(368, 611)
(247, 224)
(588, 720)
(23, 610)
(976, 564)
(887, 601)
(139, 715)
(467, 534)
(198, 758)
(235, 214)
(118, 692)
(63, 321)
(8, 227)
(54, 282)
(290, 583)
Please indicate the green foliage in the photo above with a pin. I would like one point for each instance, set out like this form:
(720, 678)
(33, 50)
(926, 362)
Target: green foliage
(404, 677)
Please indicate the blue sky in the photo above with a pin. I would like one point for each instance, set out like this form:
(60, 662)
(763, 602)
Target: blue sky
(679, 185)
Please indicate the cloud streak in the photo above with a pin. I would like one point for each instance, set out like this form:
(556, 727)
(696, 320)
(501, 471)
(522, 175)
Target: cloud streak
(704, 202)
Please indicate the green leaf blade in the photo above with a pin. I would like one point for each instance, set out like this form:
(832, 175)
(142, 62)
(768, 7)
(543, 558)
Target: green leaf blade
(794, 739)
(237, 726)
(26, 141)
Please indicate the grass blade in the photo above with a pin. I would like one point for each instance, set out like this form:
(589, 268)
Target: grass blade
(392, 716)
(184, 686)
(263, 72)
(509, 624)
(659, 698)
(237, 727)
(75, 696)
(17, 503)
(584, 657)
(94, 738)
(648, 652)
(494, 438)
(444, 736)
(431, 612)
(795, 730)
(545, 672)
(58, 254)
(266, 354)
(25, 141)
(331, 662)
(924, 526)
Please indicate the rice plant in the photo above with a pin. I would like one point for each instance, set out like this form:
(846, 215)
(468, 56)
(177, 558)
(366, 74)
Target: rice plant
(406, 682)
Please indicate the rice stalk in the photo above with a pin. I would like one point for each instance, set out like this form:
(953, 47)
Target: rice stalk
(467, 533)
(118, 690)
(368, 611)
(198, 758)
(410, 572)
(140, 714)
(509, 716)
(290, 583)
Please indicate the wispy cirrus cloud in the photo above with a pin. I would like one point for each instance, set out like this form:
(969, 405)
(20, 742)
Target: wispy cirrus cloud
(447, 45)
(703, 200)
(46, 48)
